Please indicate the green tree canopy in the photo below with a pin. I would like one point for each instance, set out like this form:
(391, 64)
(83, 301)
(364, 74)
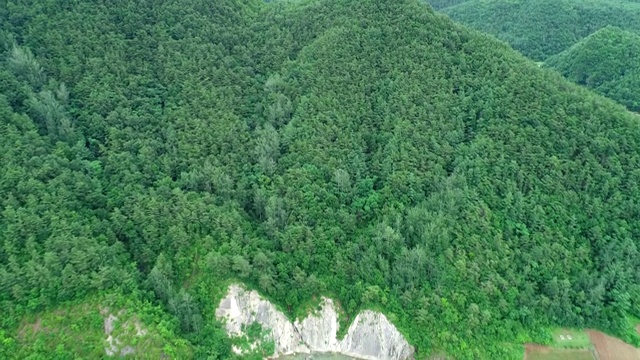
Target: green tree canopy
(375, 152)
(608, 62)
(541, 28)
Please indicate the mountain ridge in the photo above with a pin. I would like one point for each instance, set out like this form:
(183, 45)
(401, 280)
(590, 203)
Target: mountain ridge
(607, 62)
(543, 28)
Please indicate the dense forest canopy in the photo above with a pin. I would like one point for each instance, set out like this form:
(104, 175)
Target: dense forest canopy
(608, 62)
(541, 28)
(372, 151)
(441, 4)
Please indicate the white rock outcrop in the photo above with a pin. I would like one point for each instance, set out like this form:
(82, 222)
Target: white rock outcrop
(371, 336)
(241, 308)
(319, 330)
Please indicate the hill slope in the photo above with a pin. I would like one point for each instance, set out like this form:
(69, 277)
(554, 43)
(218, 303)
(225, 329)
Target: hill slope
(608, 62)
(441, 4)
(374, 151)
(542, 28)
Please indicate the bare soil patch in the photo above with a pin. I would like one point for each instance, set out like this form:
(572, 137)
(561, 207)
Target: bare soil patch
(610, 348)
(34, 328)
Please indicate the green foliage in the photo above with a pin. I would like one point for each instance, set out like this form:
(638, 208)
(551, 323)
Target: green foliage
(23, 63)
(541, 28)
(608, 62)
(256, 343)
(7, 345)
(372, 151)
(441, 4)
(72, 329)
(56, 241)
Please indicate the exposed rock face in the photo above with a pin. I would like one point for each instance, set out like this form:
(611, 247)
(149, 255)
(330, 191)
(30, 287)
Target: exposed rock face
(318, 330)
(370, 336)
(242, 308)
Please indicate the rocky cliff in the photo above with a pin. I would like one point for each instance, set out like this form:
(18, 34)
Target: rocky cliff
(370, 336)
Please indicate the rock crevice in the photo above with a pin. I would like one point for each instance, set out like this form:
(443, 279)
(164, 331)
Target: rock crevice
(371, 336)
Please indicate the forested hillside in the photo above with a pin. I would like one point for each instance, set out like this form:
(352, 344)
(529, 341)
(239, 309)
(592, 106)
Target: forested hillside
(607, 62)
(372, 151)
(541, 28)
(441, 4)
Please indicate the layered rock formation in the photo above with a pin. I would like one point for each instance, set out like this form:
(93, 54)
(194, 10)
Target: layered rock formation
(370, 336)
(241, 308)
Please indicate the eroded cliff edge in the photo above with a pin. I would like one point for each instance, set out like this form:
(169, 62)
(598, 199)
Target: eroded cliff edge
(370, 336)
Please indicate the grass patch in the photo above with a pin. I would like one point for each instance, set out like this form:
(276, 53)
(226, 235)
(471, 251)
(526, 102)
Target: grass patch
(63, 332)
(632, 333)
(77, 331)
(561, 354)
(570, 339)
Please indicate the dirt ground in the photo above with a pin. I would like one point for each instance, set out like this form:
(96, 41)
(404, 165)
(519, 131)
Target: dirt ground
(540, 352)
(530, 349)
(610, 348)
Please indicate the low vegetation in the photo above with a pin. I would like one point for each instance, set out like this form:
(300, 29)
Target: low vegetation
(66, 331)
(571, 339)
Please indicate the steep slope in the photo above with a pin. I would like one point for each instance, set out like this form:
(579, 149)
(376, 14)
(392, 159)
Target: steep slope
(145, 81)
(56, 243)
(608, 62)
(372, 151)
(541, 28)
(414, 108)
